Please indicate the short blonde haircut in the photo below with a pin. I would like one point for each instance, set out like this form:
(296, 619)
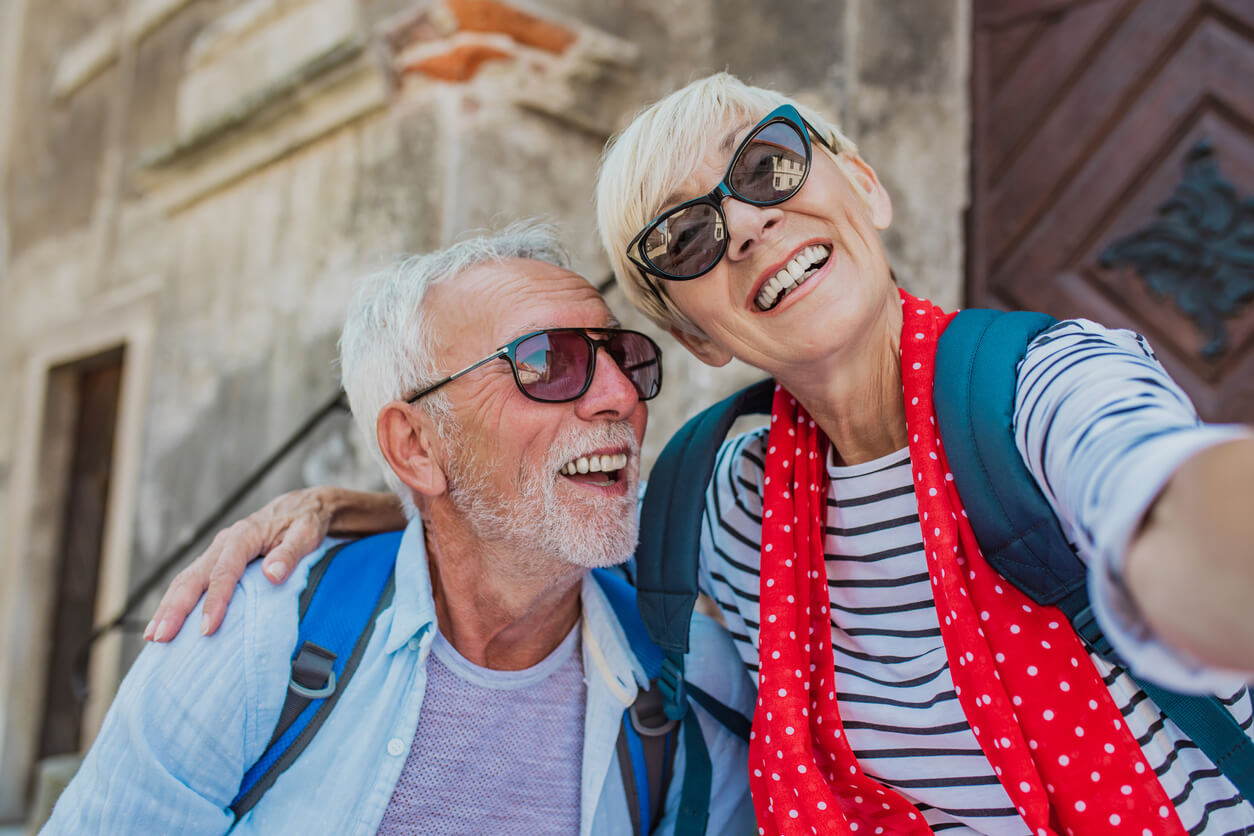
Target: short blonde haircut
(661, 147)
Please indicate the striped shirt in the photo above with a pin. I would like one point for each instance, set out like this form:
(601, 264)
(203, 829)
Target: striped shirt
(897, 699)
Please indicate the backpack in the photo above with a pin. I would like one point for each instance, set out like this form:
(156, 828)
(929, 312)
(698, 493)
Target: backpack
(977, 362)
(349, 588)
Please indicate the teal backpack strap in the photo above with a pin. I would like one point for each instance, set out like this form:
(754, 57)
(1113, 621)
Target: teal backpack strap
(343, 596)
(649, 737)
(977, 364)
(670, 531)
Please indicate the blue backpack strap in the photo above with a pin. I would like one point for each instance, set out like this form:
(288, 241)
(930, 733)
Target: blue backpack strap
(648, 739)
(977, 365)
(344, 594)
(670, 530)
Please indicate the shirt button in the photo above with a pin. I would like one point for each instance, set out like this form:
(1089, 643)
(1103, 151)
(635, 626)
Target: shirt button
(414, 643)
(396, 747)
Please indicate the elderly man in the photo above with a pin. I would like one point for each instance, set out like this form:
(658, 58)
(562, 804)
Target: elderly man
(506, 407)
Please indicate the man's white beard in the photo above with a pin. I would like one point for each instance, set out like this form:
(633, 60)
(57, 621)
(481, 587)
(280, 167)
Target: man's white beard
(581, 528)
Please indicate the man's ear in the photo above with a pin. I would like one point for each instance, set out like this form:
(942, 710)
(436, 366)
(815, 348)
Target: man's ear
(867, 182)
(411, 447)
(701, 346)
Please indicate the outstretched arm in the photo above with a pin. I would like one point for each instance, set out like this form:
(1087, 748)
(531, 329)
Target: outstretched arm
(1190, 568)
(1158, 502)
(283, 531)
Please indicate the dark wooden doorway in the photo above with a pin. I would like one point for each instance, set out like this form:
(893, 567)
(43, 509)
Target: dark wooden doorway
(1113, 176)
(95, 384)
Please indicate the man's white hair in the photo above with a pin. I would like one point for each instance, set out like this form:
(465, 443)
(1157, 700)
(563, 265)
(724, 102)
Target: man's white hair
(661, 148)
(387, 347)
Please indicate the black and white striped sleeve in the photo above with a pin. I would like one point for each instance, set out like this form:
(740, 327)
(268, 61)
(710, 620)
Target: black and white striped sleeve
(1102, 427)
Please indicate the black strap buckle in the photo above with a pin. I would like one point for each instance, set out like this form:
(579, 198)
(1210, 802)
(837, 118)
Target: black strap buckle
(313, 674)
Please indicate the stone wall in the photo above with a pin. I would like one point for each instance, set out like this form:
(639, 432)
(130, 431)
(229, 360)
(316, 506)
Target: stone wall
(202, 180)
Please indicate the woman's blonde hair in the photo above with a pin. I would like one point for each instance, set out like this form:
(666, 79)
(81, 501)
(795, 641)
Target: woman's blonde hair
(661, 147)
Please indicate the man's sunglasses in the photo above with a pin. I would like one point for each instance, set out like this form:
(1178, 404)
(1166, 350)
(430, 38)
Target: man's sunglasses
(769, 167)
(556, 365)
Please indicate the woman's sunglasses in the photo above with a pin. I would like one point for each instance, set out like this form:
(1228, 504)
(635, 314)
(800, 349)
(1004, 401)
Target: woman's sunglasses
(769, 167)
(556, 365)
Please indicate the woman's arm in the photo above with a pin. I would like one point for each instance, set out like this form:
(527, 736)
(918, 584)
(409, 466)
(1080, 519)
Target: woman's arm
(1190, 567)
(283, 531)
(1157, 502)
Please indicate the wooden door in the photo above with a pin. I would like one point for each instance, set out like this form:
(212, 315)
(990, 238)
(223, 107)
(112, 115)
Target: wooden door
(98, 383)
(1113, 176)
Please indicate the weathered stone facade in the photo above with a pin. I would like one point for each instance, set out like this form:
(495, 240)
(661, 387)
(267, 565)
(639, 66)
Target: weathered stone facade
(200, 181)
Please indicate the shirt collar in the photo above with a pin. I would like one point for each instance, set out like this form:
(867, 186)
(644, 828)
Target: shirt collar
(413, 607)
(606, 638)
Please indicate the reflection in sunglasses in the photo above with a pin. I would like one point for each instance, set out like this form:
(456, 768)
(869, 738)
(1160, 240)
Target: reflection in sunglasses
(528, 374)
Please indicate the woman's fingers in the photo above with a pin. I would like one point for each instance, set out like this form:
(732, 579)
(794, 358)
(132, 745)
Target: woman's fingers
(286, 529)
(180, 598)
(304, 535)
(245, 541)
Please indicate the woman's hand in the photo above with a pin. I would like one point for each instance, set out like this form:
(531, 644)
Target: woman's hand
(283, 531)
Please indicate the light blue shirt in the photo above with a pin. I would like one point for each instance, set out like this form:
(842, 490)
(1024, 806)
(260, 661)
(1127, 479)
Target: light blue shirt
(193, 715)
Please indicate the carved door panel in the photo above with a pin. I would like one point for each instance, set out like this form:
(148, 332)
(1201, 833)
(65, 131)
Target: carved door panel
(1113, 176)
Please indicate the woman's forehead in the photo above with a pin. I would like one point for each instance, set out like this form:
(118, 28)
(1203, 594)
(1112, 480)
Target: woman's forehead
(690, 176)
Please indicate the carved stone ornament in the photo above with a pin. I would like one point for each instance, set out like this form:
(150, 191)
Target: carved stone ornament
(1199, 251)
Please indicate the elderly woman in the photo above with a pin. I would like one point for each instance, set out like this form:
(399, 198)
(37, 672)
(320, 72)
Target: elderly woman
(903, 685)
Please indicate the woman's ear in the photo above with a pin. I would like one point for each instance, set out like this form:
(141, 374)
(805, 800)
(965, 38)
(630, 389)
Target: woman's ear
(859, 172)
(411, 447)
(702, 347)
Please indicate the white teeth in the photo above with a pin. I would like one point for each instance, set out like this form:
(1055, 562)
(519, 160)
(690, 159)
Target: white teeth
(792, 275)
(594, 464)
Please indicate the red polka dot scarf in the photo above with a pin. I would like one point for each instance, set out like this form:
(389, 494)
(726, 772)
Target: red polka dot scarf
(1038, 708)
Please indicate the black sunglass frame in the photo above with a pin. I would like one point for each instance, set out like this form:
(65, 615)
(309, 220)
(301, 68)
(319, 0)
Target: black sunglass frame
(786, 114)
(509, 353)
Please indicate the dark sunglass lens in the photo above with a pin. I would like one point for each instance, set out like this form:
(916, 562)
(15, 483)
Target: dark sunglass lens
(638, 357)
(771, 165)
(687, 241)
(552, 366)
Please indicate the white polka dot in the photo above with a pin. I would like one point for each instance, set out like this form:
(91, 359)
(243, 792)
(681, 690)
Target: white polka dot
(1079, 806)
(801, 767)
(1025, 786)
(1048, 714)
(1063, 760)
(1014, 628)
(1079, 731)
(1114, 818)
(822, 805)
(792, 814)
(1126, 790)
(1032, 670)
(1163, 811)
(1095, 776)
(783, 692)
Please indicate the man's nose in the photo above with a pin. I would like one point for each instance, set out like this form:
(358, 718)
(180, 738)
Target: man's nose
(611, 394)
(747, 225)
